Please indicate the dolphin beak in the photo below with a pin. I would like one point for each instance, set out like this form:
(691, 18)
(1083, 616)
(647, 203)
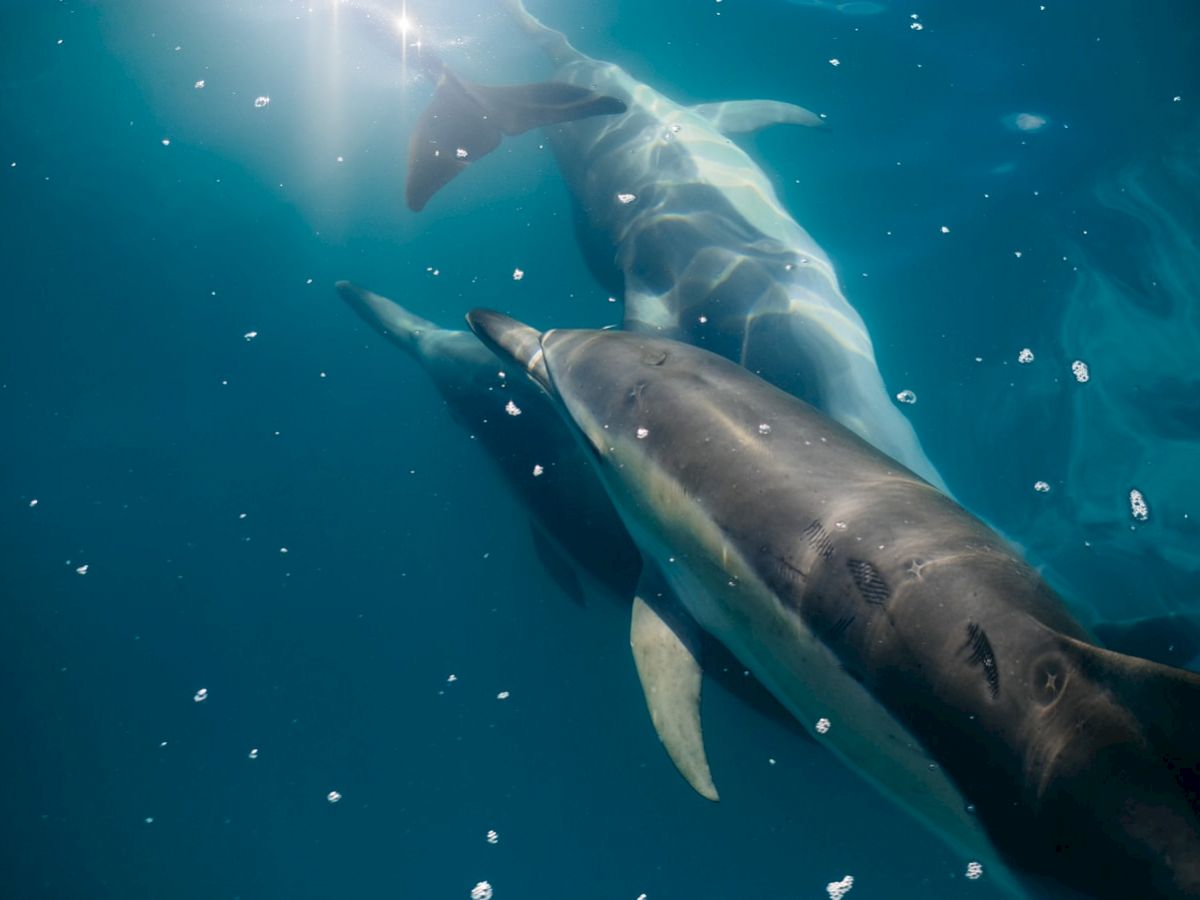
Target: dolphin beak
(512, 341)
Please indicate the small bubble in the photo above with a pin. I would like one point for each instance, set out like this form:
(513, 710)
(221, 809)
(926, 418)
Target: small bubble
(166, 142)
(626, 199)
(1025, 357)
(537, 470)
(839, 889)
(518, 274)
(503, 695)
(822, 725)
(149, 820)
(974, 870)
(764, 428)
(81, 570)
(199, 85)
(1080, 369)
(253, 753)
(260, 102)
(1137, 505)
(333, 796)
(460, 153)
(945, 230)
(642, 434)
(481, 891)
(907, 396)
(492, 837)
(512, 409)
(1041, 487)
(835, 62)
(451, 679)
(200, 696)
(32, 503)
(250, 335)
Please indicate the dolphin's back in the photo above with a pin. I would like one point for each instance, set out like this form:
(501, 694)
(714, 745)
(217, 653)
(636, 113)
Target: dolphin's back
(1083, 764)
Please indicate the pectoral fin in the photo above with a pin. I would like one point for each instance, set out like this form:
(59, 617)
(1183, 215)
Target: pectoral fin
(665, 645)
(736, 116)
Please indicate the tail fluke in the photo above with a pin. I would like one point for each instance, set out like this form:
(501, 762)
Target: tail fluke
(465, 121)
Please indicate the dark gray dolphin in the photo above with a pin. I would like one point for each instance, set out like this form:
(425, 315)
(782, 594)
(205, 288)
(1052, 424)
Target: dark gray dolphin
(574, 526)
(897, 627)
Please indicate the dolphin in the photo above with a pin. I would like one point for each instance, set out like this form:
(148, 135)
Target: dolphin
(573, 525)
(693, 231)
(896, 627)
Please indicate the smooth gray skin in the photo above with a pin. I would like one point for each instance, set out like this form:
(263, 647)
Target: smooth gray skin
(821, 562)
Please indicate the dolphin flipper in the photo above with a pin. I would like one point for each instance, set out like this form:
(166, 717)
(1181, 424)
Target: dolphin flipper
(737, 116)
(465, 121)
(665, 643)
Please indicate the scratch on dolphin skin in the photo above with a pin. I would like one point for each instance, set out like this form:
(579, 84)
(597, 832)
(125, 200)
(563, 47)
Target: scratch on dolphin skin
(982, 655)
(869, 582)
(818, 537)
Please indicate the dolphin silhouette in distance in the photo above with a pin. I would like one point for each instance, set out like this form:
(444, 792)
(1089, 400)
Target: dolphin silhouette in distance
(681, 222)
(900, 629)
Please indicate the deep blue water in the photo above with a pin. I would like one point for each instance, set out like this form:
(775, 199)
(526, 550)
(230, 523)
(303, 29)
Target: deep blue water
(144, 424)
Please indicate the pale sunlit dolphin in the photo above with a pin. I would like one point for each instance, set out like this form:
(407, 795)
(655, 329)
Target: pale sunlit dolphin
(705, 249)
(902, 631)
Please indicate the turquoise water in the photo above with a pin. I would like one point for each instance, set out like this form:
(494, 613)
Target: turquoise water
(151, 226)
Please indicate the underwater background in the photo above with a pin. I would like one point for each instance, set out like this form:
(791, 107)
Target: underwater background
(246, 548)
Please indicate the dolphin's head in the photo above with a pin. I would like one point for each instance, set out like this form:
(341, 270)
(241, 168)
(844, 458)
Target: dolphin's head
(600, 379)
(514, 342)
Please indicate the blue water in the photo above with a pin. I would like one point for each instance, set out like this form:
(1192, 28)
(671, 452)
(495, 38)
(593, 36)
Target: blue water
(176, 459)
